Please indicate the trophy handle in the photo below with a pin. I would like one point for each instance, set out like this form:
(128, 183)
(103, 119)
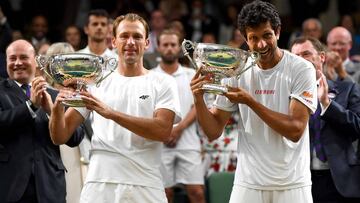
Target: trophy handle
(43, 62)
(111, 62)
(188, 45)
(255, 56)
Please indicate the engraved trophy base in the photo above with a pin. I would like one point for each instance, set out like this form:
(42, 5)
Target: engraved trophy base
(74, 101)
(214, 88)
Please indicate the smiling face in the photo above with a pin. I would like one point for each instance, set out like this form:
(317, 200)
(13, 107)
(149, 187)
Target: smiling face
(307, 51)
(263, 39)
(130, 41)
(20, 58)
(339, 40)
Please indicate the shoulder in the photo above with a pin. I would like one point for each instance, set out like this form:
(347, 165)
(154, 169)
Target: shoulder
(188, 71)
(161, 77)
(297, 64)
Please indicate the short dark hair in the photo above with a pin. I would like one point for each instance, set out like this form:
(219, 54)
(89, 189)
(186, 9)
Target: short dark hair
(169, 31)
(132, 17)
(256, 13)
(319, 47)
(98, 13)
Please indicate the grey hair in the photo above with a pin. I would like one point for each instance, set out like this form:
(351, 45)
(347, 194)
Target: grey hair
(60, 48)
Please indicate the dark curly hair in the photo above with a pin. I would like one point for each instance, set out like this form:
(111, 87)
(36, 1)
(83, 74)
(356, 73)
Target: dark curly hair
(257, 12)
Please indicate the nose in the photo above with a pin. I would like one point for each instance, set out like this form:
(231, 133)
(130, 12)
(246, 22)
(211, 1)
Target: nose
(261, 43)
(130, 40)
(18, 61)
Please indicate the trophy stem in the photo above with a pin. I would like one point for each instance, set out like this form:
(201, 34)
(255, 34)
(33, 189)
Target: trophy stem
(75, 100)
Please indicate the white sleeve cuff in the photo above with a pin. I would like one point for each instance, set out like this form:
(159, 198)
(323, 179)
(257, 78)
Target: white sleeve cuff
(324, 108)
(28, 104)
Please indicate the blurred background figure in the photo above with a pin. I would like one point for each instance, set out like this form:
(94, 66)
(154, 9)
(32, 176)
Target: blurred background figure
(237, 40)
(42, 48)
(208, 38)
(228, 25)
(181, 157)
(339, 39)
(174, 9)
(157, 24)
(334, 68)
(199, 22)
(38, 31)
(347, 21)
(73, 36)
(312, 27)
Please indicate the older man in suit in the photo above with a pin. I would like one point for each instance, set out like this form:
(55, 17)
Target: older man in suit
(334, 132)
(339, 39)
(31, 169)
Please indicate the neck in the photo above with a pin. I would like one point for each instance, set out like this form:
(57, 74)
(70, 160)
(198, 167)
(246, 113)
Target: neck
(276, 58)
(170, 68)
(132, 70)
(97, 48)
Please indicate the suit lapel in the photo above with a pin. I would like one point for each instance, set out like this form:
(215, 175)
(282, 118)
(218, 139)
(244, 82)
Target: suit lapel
(15, 90)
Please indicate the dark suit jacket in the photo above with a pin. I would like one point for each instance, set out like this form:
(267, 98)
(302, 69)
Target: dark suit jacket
(26, 147)
(340, 128)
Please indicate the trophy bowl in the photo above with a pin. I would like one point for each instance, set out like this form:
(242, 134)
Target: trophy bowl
(76, 70)
(217, 62)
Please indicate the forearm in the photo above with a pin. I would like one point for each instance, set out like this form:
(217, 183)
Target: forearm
(212, 125)
(287, 126)
(58, 130)
(154, 128)
(189, 119)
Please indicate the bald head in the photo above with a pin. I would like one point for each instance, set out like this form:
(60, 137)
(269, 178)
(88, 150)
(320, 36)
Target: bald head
(21, 44)
(339, 39)
(20, 61)
(312, 28)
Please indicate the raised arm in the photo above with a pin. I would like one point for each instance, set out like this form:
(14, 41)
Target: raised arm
(211, 121)
(63, 124)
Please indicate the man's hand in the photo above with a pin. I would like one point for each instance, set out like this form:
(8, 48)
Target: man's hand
(174, 137)
(238, 95)
(322, 90)
(334, 66)
(196, 84)
(39, 97)
(94, 104)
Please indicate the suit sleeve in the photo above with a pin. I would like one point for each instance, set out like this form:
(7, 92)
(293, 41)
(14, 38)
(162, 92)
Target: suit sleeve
(15, 116)
(347, 119)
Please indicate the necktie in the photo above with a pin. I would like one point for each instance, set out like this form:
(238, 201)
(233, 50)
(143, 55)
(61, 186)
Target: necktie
(26, 87)
(315, 134)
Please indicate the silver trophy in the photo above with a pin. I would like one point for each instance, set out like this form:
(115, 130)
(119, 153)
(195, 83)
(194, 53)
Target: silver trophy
(218, 62)
(76, 70)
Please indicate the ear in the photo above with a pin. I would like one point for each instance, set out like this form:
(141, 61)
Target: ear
(322, 57)
(277, 33)
(86, 29)
(147, 43)
(244, 37)
(113, 41)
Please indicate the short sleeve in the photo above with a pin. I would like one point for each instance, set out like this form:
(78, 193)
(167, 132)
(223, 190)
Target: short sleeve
(304, 88)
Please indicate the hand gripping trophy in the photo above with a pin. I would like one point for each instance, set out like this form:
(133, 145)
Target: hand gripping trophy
(218, 62)
(76, 69)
